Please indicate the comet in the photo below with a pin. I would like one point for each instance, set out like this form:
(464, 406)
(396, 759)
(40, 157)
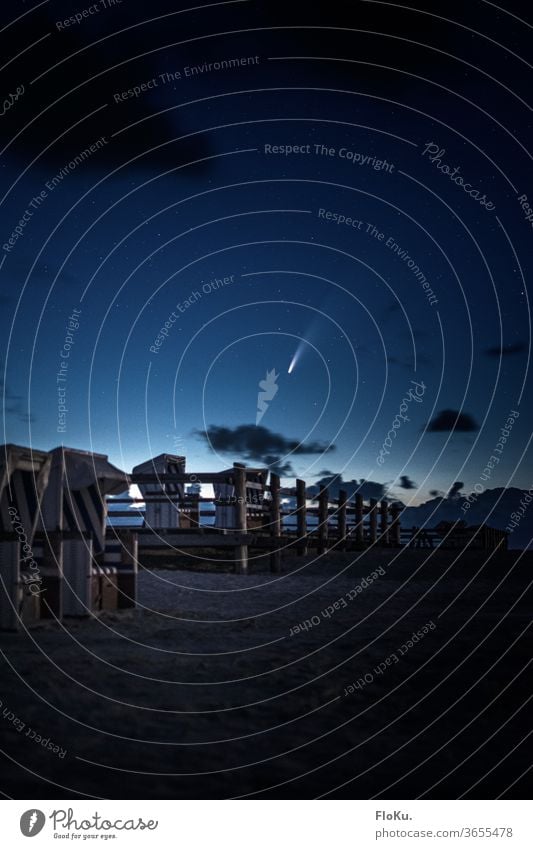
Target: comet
(296, 357)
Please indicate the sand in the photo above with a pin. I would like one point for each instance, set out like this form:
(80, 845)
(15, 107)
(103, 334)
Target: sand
(222, 685)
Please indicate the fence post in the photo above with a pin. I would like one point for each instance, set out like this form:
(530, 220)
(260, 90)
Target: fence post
(343, 498)
(129, 568)
(384, 522)
(301, 518)
(241, 551)
(359, 513)
(323, 500)
(373, 517)
(395, 530)
(275, 522)
(76, 586)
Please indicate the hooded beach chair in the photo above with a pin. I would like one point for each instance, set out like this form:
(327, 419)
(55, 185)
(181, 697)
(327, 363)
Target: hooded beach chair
(163, 498)
(23, 479)
(225, 498)
(75, 510)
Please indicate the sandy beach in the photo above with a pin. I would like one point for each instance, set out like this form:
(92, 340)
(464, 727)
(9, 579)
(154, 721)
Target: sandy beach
(388, 673)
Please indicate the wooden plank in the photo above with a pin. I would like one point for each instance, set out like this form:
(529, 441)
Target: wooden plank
(323, 497)
(192, 541)
(384, 522)
(373, 516)
(301, 518)
(190, 477)
(343, 498)
(241, 551)
(395, 529)
(275, 521)
(359, 513)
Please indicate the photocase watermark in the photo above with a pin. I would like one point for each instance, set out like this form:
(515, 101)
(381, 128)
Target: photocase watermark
(37, 201)
(526, 208)
(184, 73)
(30, 733)
(492, 462)
(61, 376)
(83, 828)
(182, 306)
(518, 515)
(391, 660)
(412, 395)
(32, 822)
(369, 229)
(229, 500)
(30, 572)
(268, 389)
(67, 821)
(178, 443)
(435, 155)
(355, 157)
(88, 12)
(402, 254)
(9, 101)
(343, 601)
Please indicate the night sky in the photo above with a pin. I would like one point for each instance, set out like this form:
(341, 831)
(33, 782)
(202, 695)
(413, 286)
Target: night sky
(304, 202)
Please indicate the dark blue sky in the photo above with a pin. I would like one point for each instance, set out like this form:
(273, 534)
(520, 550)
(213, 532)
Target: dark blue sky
(189, 197)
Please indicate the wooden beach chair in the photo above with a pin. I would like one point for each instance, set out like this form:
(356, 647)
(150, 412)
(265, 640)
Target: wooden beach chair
(74, 519)
(23, 479)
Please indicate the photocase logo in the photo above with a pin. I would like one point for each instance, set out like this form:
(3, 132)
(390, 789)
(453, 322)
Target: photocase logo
(270, 388)
(32, 822)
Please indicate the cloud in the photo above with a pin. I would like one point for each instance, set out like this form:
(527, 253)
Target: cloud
(455, 489)
(334, 483)
(258, 444)
(13, 405)
(406, 483)
(448, 420)
(436, 493)
(26, 418)
(497, 351)
(408, 362)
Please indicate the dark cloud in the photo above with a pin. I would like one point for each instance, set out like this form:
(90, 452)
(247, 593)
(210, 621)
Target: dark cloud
(325, 473)
(334, 483)
(12, 403)
(455, 489)
(408, 361)
(436, 493)
(497, 351)
(448, 420)
(257, 444)
(406, 482)
(27, 418)
(282, 468)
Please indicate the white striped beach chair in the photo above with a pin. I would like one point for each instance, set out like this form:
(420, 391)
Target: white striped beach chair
(162, 511)
(23, 479)
(75, 506)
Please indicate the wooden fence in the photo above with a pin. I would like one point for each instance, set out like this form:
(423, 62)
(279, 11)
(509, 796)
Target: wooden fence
(266, 523)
